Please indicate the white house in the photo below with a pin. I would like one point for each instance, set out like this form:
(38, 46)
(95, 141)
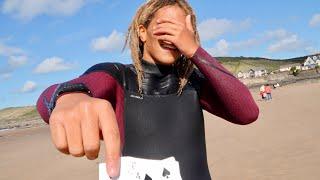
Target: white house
(312, 61)
(258, 72)
(305, 68)
(240, 74)
(243, 74)
(287, 67)
(315, 57)
(308, 62)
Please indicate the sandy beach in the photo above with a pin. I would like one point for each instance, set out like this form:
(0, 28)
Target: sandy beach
(282, 144)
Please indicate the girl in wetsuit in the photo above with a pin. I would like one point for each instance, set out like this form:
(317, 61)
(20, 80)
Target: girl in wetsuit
(153, 107)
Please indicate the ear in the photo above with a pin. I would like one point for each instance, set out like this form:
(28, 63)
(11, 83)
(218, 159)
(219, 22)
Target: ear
(142, 33)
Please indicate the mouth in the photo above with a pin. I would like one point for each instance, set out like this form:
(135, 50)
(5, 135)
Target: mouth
(169, 47)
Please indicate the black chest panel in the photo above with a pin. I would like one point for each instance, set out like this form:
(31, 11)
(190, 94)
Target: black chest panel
(161, 124)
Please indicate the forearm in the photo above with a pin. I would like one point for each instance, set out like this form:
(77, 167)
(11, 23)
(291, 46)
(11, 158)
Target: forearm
(86, 84)
(222, 93)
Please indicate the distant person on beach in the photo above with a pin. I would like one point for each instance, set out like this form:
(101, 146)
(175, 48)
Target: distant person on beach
(263, 93)
(151, 108)
(268, 92)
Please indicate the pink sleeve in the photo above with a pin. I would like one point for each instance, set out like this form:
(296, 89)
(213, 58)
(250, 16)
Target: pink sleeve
(221, 93)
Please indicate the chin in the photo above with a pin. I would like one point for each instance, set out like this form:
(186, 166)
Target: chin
(165, 62)
(167, 59)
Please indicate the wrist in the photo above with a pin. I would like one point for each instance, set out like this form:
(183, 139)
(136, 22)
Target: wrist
(67, 96)
(192, 51)
(64, 88)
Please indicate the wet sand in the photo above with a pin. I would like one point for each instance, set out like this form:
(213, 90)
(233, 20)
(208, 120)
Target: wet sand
(281, 144)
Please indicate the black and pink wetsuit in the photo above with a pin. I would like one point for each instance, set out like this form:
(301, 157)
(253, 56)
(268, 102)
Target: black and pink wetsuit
(160, 124)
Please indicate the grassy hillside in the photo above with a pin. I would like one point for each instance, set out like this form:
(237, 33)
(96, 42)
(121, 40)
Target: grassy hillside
(19, 116)
(236, 64)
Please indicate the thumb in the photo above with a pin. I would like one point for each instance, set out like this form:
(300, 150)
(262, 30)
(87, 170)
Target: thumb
(189, 23)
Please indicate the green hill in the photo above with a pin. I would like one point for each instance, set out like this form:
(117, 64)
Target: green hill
(236, 64)
(19, 117)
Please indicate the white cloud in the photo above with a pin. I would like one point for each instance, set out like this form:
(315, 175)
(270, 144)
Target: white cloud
(315, 20)
(212, 28)
(312, 50)
(6, 50)
(113, 42)
(266, 37)
(17, 61)
(5, 76)
(15, 58)
(220, 49)
(28, 9)
(277, 34)
(290, 43)
(279, 40)
(28, 86)
(52, 64)
(246, 44)
(245, 24)
(284, 41)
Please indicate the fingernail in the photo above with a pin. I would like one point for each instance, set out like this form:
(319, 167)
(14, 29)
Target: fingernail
(112, 169)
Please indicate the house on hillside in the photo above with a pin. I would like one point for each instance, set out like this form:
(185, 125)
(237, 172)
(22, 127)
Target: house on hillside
(316, 57)
(240, 74)
(308, 62)
(304, 68)
(287, 67)
(312, 61)
(258, 72)
(317, 60)
(243, 75)
(251, 73)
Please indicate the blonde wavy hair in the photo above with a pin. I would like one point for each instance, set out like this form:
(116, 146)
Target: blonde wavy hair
(143, 17)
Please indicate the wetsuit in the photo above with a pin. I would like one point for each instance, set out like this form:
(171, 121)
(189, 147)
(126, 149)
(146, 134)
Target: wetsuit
(160, 123)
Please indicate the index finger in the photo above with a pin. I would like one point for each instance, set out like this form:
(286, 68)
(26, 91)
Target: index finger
(111, 136)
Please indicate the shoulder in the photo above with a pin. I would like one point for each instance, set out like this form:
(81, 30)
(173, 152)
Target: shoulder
(114, 69)
(108, 67)
(196, 78)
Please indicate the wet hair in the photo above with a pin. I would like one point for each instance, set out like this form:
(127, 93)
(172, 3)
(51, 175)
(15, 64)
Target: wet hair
(143, 17)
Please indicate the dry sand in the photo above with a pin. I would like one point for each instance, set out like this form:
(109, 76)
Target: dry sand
(282, 144)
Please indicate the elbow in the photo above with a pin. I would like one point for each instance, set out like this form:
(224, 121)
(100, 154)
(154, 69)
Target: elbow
(248, 117)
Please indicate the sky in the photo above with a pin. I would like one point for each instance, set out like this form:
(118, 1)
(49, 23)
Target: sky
(53, 41)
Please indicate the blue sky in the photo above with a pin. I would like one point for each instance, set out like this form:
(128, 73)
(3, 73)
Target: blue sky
(52, 41)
